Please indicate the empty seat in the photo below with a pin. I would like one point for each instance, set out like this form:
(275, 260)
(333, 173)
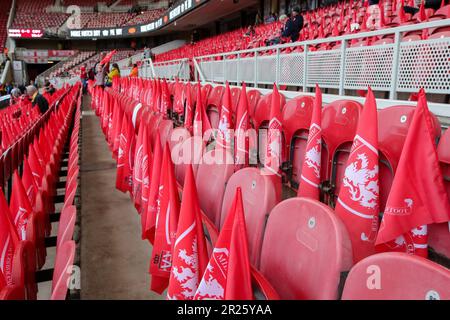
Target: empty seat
(259, 195)
(212, 176)
(63, 265)
(305, 249)
(396, 275)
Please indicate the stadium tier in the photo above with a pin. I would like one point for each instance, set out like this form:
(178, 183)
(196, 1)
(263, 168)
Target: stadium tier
(225, 152)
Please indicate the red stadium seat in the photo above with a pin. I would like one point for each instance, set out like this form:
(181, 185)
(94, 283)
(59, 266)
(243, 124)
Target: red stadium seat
(305, 249)
(12, 292)
(189, 152)
(165, 130)
(212, 177)
(63, 264)
(66, 226)
(339, 123)
(395, 275)
(259, 196)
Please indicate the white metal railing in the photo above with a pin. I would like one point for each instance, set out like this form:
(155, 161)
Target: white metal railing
(170, 70)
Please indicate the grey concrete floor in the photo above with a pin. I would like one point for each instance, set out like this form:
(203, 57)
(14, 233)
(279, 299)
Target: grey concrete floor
(114, 259)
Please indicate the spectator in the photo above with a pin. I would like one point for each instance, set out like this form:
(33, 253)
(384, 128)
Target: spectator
(114, 73)
(271, 18)
(8, 88)
(135, 71)
(293, 25)
(129, 61)
(250, 31)
(258, 19)
(146, 52)
(99, 75)
(37, 99)
(49, 89)
(83, 77)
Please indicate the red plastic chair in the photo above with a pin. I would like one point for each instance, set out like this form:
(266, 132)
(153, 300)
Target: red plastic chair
(395, 276)
(63, 264)
(188, 152)
(259, 195)
(165, 130)
(66, 226)
(305, 249)
(212, 176)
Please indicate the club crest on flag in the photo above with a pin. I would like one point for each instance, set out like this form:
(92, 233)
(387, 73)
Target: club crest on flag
(210, 287)
(187, 276)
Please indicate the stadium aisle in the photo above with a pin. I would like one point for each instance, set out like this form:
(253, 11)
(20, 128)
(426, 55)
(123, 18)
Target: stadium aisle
(114, 259)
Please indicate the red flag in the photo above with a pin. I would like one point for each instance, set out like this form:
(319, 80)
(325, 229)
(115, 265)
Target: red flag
(168, 208)
(358, 200)
(166, 103)
(241, 143)
(137, 168)
(35, 166)
(273, 150)
(124, 161)
(29, 182)
(146, 170)
(201, 121)
(190, 257)
(108, 57)
(224, 132)
(189, 111)
(401, 12)
(148, 220)
(2, 280)
(382, 19)
(9, 239)
(227, 276)
(19, 207)
(442, 3)
(179, 98)
(310, 177)
(157, 97)
(321, 32)
(422, 14)
(418, 196)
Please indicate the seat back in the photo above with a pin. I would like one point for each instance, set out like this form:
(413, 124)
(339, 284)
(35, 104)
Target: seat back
(253, 97)
(165, 130)
(12, 292)
(259, 196)
(63, 264)
(189, 152)
(305, 249)
(339, 124)
(397, 275)
(212, 176)
(66, 225)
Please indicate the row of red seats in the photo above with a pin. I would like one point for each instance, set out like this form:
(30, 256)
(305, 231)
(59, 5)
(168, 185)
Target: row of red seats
(3, 22)
(261, 195)
(34, 192)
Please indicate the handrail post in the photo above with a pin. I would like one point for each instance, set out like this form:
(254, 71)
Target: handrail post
(395, 62)
(277, 67)
(256, 69)
(305, 67)
(237, 68)
(342, 74)
(224, 57)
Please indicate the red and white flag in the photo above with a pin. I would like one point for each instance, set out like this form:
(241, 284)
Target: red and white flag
(358, 201)
(190, 256)
(166, 103)
(9, 239)
(272, 162)
(228, 275)
(189, 110)
(148, 220)
(201, 126)
(310, 177)
(19, 207)
(35, 166)
(137, 168)
(168, 208)
(125, 157)
(146, 168)
(29, 182)
(241, 142)
(224, 133)
(417, 197)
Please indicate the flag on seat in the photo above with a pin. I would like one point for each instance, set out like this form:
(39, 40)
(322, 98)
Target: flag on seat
(29, 182)
(417, 197)
(168, 208)
(310, 177)
(166, 103)
(189, 109)
(148, 220)
(124, 157)
(146, 168)
(272, 162)
(227, 276)
(358, 200)
(2, 280)
(19, 207)
(9, 239)
(190, 257)
(108, 57)
(35, 166)
(137, 168)
(224, 132)
(201, 127)
(241, 143)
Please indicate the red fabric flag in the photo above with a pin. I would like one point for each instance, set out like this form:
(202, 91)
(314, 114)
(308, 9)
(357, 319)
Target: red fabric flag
(2, 280)
(146, 168)
(179, 98)
(358, 201)
(189, 110)
(19, 207)
(241, 143)
(29, 182)
(168, 208)
(224, 132)
(422, 14)
(401, 13)
(418, 196)
(9, 239)
(166, 103)
(148, 220)
(124, 160)
(321, 32)
(442, 3)
(273, 150)
(201, 121)
(310, 177)
(227, 276)
(157, 97)
(137, 168)
(190, 256)
(117, 132)
(382, 19)
(108, 57)
(35, 165)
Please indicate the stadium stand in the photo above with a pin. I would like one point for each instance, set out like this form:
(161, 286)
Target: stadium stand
(4, 14)
(32, 14)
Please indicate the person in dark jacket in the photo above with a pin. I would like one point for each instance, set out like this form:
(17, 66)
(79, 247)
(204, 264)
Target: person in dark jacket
(293, 25)
(37, 99)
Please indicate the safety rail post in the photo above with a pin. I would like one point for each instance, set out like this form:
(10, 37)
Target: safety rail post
(305, 67)
(277, 67)
(395, 61)
(224, 57)
(342, 71)
(238, 68)
(256, 69)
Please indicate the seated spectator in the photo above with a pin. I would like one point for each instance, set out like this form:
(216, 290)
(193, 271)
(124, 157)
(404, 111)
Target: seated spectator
(250, 31)
(135, 71)
(293, 25)
(8, 88)
(49, 89)
(114, 73)
(37, 99)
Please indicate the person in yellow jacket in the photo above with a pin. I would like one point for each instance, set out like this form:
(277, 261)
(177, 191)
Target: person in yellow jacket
(135, 71)
(115, 72)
